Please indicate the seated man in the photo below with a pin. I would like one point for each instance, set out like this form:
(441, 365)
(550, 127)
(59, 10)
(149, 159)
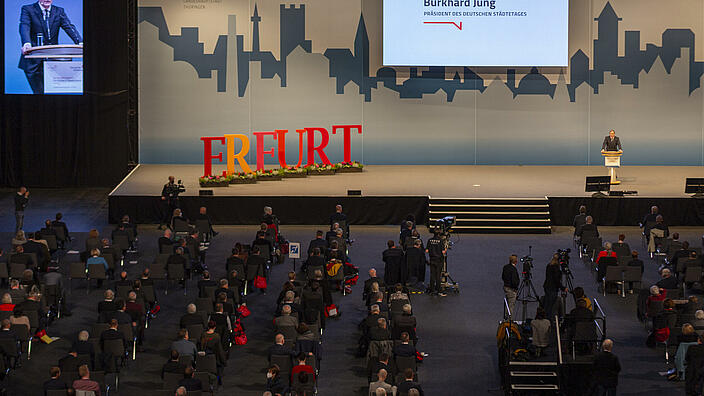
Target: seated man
(372, 319)
(166, 245)
(319, 242)
(301, 367)
(579, 220)
(406, 385)
(203, 215)
(382, 363)
(58, 223)
(405, 322)
(112, 333)
(55, 382)
(405, 349)
(173, 365)
(286, 319)
(191, 317)
(183, 345)
(279, 348)
(380, 332)
(668, 281)
(339, 217)
(189, 382)
(225, 288)
(205, 282)
(648, 221)
(70, 362)
(85, 383)
(589, 229)
(263, 243)
(48, 229)
(394, 270)
(316, 259)
(123, 281)
(381, 383)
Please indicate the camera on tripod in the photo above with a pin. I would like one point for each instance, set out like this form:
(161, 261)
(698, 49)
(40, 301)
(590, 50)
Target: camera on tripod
(527, 265)
(563, 258)
(175, 189)
(444, 226)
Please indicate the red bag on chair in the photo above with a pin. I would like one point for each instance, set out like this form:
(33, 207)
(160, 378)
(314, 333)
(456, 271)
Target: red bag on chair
(260, 282)
(243, 311)
(331, 311)
(241, 339)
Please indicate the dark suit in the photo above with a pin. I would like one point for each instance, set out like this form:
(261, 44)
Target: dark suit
(32, 23)
(54, 384)
(611, 144)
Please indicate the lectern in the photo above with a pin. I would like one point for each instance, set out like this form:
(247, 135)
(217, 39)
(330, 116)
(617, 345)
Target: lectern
(612, 160)
(63, 51)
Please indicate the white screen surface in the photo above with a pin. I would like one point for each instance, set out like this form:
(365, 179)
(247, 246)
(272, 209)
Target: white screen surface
(472, 33)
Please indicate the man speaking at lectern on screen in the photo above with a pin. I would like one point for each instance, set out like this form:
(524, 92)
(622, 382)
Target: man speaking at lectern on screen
(611, 142)
(42, 19)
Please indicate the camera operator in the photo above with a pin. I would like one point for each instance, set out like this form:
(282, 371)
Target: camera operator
(436, 253)
(552, 285)
(169, 196)
(511, 281)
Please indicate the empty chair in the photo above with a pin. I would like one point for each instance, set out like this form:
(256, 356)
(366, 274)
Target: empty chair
(404, 362)
(51, 242)
(285, 365)
(110, 259)
(693, 274)
(122, 242)
(126, 329)
(175, 272)
(122, 291)
(77, 270)
(4, 272)
(612, 274)
(16, 270)
(171, 381)
(194, 332)
(207, 363)
(96, 272)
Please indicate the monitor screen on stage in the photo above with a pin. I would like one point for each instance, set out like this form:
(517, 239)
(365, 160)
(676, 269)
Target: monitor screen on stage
(475, 33)
(44, 47)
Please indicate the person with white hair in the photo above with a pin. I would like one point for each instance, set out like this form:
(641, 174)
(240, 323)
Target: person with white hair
(340, 218)
(656, 296)
(698, 321)
(191, 317)
(611, 259)
(668, 280)
(605, 370)
(181, 391)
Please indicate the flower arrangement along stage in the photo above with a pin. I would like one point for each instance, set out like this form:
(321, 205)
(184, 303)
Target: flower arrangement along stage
(295, 172)
(321, 169)
(270, 174)
(349, 167)
(215, 181)
(244, 178)
(281, 173)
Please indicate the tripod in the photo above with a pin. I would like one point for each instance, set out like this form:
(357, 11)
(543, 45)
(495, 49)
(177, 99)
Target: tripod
(446, 281)
(526, 291)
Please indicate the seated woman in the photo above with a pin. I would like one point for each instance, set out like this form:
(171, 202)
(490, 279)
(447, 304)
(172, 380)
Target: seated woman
(541, 331)
(688, 338)
(211, 343)
(657, 296)
(18, 317)
(19, 239)
(6, 304)
(96, 259)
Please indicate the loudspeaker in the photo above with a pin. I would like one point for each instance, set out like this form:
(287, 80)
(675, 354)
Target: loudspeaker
(205, 192)
(354, 192)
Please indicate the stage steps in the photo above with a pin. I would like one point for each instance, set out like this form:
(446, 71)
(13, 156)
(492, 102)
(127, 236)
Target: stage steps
(493, 215)
(534, 378)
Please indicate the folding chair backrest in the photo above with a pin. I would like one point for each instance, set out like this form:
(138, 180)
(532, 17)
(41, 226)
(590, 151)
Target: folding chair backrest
(203, 226)
(84, 393)
(693, 274)
(207, 363)
(33, 317)
(99, 377)
(285, 364)
(632, 274)
(204, 378)
(175, 271)
(181, 225)
(584, 330)
(51, 241)
(162, 258)
(34, 260)
(110, 259)
(149, 295)
(126, 330)
(17, 270)
(122, 291)
(21, 331)
(121, 241)
(77, 270)
(56, 392)
(194, 332)
(308, 386)
(114, 347)
(614, 273)
(186, 360)
(674, 293)
(4, 273)
(404, 362)
(157, 271)
(171, 381)
(96, 271)
(289, 332)
(204, 304)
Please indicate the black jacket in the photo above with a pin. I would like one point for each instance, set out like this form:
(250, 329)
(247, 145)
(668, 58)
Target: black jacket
(20, 202)
(553, 278)
(605, 369)
(510, 276)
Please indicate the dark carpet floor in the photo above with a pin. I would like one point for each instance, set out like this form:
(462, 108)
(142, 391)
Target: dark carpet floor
(458, 331)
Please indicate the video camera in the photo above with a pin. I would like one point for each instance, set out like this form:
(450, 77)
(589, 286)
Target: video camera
(173, 190)
(527, 266)
(444, 226)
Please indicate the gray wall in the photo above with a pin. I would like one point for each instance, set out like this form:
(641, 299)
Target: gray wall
(636, 70)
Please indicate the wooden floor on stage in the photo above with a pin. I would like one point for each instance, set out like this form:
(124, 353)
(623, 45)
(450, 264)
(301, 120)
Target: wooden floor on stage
(451, 181)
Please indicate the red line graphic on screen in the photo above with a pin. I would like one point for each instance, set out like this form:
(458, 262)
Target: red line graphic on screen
(446, 23)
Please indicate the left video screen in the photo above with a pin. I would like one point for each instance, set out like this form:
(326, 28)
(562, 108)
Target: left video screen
(44, 47)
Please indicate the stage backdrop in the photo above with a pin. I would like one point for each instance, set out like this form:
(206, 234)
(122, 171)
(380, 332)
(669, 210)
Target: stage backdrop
(209, 67)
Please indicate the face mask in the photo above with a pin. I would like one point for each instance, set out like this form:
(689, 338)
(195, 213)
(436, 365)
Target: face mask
(269, 375)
